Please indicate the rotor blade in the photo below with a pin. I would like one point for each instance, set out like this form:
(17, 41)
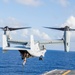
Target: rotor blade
(55, 28)
(72, 29)
(11, 29)
(1, 28)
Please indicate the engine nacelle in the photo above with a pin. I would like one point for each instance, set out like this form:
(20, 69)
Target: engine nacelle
(67, 41)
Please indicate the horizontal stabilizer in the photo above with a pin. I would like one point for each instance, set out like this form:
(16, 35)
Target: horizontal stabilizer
(14, 48)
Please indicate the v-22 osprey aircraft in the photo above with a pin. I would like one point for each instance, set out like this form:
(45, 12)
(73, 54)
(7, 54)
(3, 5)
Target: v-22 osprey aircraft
(33, 48)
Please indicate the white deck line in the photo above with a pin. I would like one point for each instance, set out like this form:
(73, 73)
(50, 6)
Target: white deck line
(49, 72)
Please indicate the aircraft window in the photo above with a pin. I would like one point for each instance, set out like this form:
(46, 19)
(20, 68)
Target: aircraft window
(42, 47)
(67, 44)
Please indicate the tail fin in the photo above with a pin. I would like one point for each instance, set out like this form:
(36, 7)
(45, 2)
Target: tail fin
(35, 49)
(34, 46)
(32, 42)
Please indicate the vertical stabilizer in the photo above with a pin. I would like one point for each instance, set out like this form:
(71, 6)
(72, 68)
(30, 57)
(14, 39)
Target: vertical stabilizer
(34, 46)
(32, 42)
(35, 49)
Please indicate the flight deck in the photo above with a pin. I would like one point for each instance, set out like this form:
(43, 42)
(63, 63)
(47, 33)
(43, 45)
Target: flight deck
(60, 72)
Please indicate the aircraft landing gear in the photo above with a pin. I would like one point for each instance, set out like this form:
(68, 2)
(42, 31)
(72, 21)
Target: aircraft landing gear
(40, 58)
(24, 62)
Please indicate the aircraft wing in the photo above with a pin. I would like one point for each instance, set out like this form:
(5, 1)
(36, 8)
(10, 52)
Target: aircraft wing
(40, 42)
(18, 42)
(51, 42)
(27, 48)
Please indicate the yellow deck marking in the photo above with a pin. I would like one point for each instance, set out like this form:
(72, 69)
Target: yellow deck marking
(66, 72)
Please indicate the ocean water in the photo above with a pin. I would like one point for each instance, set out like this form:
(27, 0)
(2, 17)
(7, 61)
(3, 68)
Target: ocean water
(11, 63)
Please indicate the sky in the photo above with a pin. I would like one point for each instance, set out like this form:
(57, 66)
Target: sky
(37, 14)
